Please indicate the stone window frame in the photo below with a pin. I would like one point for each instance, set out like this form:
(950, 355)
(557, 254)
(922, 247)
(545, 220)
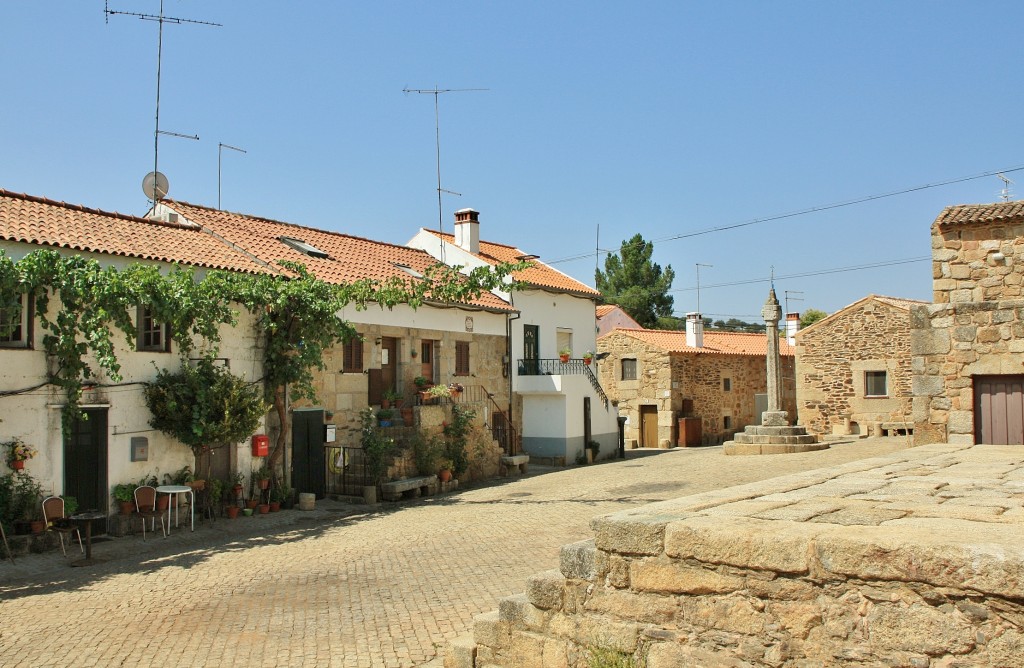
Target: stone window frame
(623, 366)
(726, 422)
(726, 384)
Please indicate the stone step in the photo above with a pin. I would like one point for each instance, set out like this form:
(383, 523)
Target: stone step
(734, 448)
(781, 440)
(759, 430)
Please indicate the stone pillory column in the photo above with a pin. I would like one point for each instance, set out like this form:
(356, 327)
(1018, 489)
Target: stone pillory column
(773, 435)
(772, 314)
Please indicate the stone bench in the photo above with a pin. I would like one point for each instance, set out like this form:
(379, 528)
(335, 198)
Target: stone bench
(515, 463)
(897, 428)
(410, 488)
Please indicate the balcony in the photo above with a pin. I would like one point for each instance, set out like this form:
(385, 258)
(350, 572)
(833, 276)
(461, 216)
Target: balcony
(547, 376)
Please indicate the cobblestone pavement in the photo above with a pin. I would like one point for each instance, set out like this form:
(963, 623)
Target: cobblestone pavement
(344, 585)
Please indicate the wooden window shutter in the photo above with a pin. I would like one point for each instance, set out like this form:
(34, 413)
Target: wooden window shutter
(353, 356)
(462, 358)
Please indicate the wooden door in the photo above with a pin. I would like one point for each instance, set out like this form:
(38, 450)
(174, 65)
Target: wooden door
(427, 368)
(531, 350)
(85, 462)
(389, 362)
(648, 426)
(309, 462)
(999, 410)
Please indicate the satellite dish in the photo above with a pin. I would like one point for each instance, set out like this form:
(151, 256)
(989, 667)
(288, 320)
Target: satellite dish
(155, 186)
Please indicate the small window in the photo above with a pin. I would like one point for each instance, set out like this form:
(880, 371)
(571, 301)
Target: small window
(153, 336)
(727, 422)
(303, 247)
(629, 369)
(727, 384)
(462, 358)
(352, 356)
(875, 384)
(16, 323)
(427, 354)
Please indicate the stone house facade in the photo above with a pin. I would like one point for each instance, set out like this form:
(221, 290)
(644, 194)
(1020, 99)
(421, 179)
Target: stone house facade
(853, 369)
(659, 376)
(967, 346)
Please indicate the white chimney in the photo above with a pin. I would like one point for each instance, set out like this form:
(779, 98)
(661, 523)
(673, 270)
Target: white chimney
(792, 327)
(467, 230)
(695, 330)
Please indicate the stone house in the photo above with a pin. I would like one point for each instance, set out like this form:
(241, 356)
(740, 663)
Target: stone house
(444, 342)
(853, 371)
(556, 407)
(967, 346)
(611, 316)
(115, 444)
(657, 377)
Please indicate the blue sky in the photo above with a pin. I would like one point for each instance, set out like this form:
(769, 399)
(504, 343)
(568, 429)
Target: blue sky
(658, 118)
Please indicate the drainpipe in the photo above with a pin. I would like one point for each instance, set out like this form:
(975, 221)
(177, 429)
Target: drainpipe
(508, 353)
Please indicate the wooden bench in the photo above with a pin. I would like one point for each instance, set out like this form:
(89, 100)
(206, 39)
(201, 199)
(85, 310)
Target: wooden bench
(410, 488)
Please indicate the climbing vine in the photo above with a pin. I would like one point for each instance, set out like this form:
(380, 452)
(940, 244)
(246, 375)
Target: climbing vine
(81, 306)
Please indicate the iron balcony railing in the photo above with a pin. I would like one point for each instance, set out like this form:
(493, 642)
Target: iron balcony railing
(556, 367)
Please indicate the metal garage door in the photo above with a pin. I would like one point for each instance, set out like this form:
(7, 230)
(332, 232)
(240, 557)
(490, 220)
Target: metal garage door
(999, 409)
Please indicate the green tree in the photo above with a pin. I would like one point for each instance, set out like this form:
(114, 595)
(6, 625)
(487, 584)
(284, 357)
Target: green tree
(205, 407)
(811, 316)
(636, 283)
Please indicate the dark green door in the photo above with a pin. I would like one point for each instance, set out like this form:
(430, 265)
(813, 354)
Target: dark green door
(531, 350)
(85, 460)
(309, 463)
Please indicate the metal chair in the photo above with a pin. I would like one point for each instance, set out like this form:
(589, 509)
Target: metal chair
(53, 512)
(145, 507)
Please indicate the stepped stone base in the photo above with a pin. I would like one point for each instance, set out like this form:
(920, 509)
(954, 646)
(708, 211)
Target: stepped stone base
(775, 436)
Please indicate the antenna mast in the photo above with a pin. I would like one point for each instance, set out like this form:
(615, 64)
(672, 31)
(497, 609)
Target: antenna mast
(160, 19)
(221, 145)
(435, 91)
(1005, 193)
(699, 265)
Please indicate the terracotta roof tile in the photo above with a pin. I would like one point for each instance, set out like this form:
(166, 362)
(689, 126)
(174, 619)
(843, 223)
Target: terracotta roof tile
(45, 222)
(349, 258)
(604, 309)
(981, 213)
(540, 274)
(715, 343)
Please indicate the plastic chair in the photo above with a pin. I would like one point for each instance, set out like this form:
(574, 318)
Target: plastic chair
(53, 510)
(145, 507)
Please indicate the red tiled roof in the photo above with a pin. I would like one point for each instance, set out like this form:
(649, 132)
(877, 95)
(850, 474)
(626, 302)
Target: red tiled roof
(981, 213)
(715, 343)
(604, 309)
(45, 222)
(540, 274)
(349, 258)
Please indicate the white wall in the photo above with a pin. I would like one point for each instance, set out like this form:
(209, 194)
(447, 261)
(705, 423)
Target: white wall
(428, 317)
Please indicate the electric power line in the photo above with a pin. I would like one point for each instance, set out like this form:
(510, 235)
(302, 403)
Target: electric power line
(813, 209)
(818, 272)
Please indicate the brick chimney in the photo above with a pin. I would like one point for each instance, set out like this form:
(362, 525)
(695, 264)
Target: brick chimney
(467, 230)
(792, 327)
(695, 330)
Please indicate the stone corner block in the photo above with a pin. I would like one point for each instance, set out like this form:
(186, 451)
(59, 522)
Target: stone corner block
(460, 653)
(625, 534)
(544, 590)
(512, 609)
(578, 560)
(743, 542)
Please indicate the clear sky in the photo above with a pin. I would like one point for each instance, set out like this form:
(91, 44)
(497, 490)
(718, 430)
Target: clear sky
(658, 118)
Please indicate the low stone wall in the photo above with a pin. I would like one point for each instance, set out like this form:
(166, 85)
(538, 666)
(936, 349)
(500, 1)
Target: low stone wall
(916, 559)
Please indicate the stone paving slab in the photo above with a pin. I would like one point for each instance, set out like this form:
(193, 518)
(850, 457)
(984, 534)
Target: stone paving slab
(354, 586)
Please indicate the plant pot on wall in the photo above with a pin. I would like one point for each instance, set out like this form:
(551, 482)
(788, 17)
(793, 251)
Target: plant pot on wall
(444, 475)
(18, 464)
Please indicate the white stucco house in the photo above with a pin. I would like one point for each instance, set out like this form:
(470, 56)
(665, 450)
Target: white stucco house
(557, 407)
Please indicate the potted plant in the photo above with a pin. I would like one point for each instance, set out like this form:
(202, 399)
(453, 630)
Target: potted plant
(236, 484)
(124, 494)
(384, 416)
(232, 510)
(377, 450)
(588, 357)
(275, 498)
(262, 476)
(18, 452)
(439, 391)
(390, 398)
(444, 473)
(564, 354)
(421, 383)
(455, 390)
(592, 449)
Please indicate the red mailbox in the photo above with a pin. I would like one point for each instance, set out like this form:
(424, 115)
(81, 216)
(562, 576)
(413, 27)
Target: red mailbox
(260, 445)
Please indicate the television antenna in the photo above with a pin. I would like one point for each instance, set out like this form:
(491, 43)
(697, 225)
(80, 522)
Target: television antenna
(1005, 193)
(796, 299)
(435, 91)
(220, 146)
(160, 20)
(699, 265)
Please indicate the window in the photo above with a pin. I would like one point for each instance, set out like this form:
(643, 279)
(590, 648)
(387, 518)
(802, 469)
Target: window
(15, 324)
(427, 355)
(153, 336)
(727, 422)
(875, 384)
(727, 384)
(352, 356)
(629, 369)
(462, 358)
(304, 248)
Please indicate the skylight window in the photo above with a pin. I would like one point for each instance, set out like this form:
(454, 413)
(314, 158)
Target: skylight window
(409, 270)
(303, 247)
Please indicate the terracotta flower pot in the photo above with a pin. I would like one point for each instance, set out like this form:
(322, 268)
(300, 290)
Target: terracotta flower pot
(127, 507)
(564, 358)
(251, 503)
(162, 501)
(444, 475)
(264, 484)
(264, 508)
(588, 360)
(18, 464)
(232, 511)
(275, 506)
(237, 489)
(38, 526)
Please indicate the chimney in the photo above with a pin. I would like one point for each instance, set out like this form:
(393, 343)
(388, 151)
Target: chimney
(467, 230)
(695, 330)
(792, 327)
